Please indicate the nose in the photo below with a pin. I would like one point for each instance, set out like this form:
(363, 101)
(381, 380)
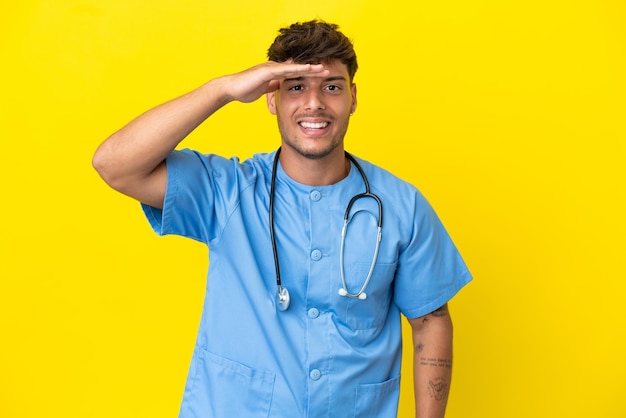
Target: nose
(314, 100)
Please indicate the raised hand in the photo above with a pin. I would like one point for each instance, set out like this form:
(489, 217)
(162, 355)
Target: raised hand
(249, 85)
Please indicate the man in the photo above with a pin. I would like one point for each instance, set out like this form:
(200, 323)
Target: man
(330, 346)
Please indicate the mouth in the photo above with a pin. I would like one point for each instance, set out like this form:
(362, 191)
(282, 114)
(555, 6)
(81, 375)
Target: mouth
(313, 125)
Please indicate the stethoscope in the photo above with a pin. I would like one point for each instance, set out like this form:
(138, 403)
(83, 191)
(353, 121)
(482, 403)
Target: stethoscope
(283, 293)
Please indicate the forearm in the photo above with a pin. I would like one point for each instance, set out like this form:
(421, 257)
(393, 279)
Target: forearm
(140, 146)
(132, 159)
(432, 338)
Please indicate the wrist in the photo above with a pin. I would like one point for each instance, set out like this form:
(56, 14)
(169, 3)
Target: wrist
(217, 91)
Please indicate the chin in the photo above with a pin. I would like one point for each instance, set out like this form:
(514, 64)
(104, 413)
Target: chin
(314, 152)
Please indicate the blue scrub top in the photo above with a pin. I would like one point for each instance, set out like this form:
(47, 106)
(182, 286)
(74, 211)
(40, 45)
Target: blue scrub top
(327, 355)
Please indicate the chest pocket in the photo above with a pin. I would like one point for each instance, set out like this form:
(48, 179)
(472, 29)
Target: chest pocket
(371, 312)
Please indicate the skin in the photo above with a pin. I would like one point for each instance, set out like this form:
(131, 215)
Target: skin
(312, 104)
(313, 115)
(132, 160)
(432, 341)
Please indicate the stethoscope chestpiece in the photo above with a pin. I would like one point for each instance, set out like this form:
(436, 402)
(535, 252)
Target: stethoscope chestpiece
(283, 298)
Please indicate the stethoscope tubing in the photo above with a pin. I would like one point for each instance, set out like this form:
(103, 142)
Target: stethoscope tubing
(283, 293)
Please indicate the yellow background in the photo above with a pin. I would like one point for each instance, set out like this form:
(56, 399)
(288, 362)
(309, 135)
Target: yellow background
(508, 115)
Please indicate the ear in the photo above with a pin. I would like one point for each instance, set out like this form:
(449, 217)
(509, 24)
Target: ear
(353, 90)
(271, 102)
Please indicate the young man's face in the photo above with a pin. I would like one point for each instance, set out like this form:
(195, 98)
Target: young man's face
(313, 112)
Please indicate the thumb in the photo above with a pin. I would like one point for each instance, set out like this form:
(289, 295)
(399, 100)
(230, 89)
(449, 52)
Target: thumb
(272, 86)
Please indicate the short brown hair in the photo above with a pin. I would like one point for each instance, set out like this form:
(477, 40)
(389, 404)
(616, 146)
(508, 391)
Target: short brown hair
(313, 42)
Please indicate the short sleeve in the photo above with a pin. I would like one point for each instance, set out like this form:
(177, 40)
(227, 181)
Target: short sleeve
(202, 190)
(430, 269)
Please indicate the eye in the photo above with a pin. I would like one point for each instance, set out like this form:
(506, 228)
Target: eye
(333, 87)
(297, 87)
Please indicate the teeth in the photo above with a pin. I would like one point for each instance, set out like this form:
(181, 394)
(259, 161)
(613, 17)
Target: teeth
(311, 125)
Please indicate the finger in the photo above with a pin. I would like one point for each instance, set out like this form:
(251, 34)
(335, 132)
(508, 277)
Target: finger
(318, 70)
(273, 85)
(285, 70)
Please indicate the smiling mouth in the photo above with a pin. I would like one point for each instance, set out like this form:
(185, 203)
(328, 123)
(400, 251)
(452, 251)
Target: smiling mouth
(314, 125)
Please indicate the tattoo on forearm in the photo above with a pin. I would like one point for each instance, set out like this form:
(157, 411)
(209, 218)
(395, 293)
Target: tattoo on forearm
(438, 388)
(444, 363)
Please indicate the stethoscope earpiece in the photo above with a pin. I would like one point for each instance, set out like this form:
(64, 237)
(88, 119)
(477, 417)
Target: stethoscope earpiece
(343, 292)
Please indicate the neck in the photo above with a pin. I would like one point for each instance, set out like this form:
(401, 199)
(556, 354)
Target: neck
(324, 171)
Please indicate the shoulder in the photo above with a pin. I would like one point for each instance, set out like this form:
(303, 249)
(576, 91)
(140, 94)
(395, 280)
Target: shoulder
(389, 186)
(188, 162)
(404, 205)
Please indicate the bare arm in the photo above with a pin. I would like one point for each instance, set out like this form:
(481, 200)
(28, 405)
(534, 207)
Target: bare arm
(132, 159)
(432, 340)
